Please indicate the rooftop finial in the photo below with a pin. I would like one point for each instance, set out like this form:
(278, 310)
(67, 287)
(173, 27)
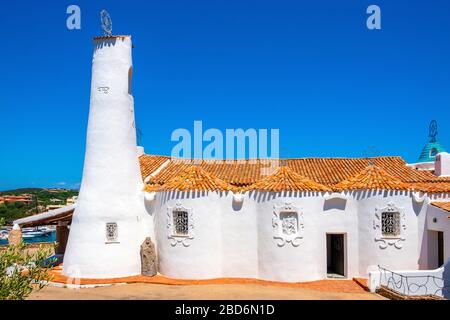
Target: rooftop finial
(433, 131)
(106, 23)
(371, 153)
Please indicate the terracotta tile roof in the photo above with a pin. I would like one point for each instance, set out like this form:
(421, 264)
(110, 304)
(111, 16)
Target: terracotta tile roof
(285, 178)
(330, 171)
(442, 205)
(193, 178)
(325, 171)
(372, 177)
(433, 187)
(238, 172)
(150, 163)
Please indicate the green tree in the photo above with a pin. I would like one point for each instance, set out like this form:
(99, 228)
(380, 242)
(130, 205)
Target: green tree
(21, 272)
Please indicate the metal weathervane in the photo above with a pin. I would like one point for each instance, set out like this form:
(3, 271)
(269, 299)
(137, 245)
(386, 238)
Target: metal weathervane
(433, 131)
(106, 23)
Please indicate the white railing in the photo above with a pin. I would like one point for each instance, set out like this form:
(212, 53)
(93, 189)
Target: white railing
(413, 283)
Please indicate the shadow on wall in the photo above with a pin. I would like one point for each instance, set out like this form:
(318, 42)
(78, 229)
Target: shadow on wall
(446, 277)
(335, 203)
(236, 205)
(423, 255)
(359, 195)
(264, 196)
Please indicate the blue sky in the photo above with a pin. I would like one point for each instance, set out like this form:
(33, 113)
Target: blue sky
(309, 68)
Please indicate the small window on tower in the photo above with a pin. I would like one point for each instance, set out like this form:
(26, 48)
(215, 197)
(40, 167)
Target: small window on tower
(130, 75)
(390, 224)
(111, 232)
(181, 223)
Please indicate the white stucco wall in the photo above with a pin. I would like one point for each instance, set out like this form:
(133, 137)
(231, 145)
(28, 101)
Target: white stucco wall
(308, 260)
(237, 240)
(201, 257)
(377, 250)
(443, 164)
(437, 220)
(232, 240)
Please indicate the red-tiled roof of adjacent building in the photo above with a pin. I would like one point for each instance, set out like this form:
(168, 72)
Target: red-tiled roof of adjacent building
(150, 164)
(442, 205)
(285, 179)
(433, 187)
(193, 178)
(325, 171)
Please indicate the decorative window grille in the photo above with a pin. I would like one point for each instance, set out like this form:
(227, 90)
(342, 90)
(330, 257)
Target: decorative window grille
(111, 231)
(289, 223)
(390, 224)
(181, 223)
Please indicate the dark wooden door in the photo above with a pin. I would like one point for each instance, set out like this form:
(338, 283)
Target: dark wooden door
(337, 254)
(440, 249)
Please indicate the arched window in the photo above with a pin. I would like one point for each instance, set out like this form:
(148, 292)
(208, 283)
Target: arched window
(433, 152)
(181, 223)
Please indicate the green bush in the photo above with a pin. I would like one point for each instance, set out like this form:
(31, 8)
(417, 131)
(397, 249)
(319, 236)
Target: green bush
(21, 272)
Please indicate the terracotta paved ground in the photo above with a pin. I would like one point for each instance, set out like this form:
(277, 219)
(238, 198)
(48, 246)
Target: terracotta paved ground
(160, 287)
(197, 292)
(347, 286)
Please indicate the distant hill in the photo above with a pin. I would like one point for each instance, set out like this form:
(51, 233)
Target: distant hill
(33, 190)
(41, 197)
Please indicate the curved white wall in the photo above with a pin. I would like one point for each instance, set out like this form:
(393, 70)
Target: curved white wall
(237, 240)
(111, 184)
(287, 262)
(201, 258)
(391, 257)
(308, 260)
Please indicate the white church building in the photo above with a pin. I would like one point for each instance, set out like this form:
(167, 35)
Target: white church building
(306, 219)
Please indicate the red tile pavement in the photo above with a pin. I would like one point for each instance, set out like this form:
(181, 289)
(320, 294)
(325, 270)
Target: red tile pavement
(348, 286)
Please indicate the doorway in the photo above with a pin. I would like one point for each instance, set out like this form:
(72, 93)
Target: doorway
(440, 249)
(335, 255)
(435, 249)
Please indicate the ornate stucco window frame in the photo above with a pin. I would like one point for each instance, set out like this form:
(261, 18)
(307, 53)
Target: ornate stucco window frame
(172, 235)
(281, 237)
(385, 241)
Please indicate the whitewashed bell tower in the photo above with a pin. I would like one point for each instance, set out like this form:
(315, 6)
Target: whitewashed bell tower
(106, 231)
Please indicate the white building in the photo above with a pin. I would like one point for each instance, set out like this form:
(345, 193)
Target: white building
(309, 219)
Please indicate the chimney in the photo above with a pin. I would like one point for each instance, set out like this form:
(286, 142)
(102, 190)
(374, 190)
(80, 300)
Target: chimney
(140, 151)
(442, 164)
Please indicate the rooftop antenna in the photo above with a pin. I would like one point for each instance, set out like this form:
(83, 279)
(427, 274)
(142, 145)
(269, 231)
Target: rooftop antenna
(139, 135)
(370, 154)
(433, 131)
(106, 23)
